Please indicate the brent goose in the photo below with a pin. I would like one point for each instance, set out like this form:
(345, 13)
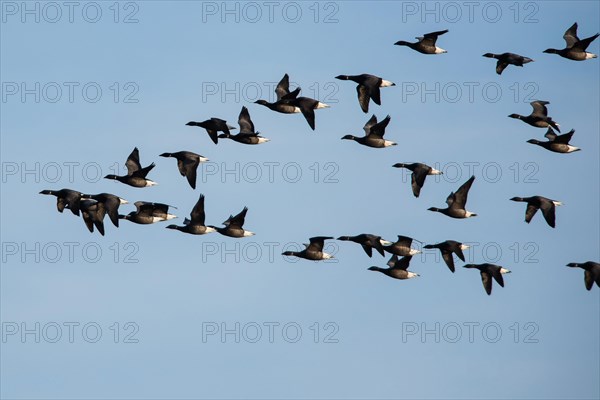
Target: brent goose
(592, 273)
(447, 248)
(195, 225)
(313, 251)
(557, 143)
(374, 134)
(187, 163)
(401, 247)
(575, 49)
(487, 272)
(65, 198)
(398, 268)
(539, 117)
(426, 43)
(419, 173)
(136, 175)
(247, 134)
(457, 202)
(288, 102)
(93, 215)
(368, 242)
(111, 204)
(234, 226)
(534, 203)
(368, 88)
(148, 213)
(213, 126)
(506, 59)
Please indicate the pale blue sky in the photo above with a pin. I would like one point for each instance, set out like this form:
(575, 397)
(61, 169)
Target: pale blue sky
(167, 61)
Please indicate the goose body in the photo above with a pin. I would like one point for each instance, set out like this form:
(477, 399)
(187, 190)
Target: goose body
(313, 251)
(556, 143)
(374, 134)
(489, 271)
(398, 268)
(575, 48)
(367, 241)
(136, 175)
(65, 198)
(592, 273)
(447, 248)
(367, 88)
(426, 44)
(187, 164)
(539, 117)
(148, 213)
(195, 225)
(419, 173)
(234, 226)
(506, 59)
(213, 126)
(457, 202)
(535, 203)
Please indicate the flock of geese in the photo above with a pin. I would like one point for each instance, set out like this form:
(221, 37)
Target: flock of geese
(94, 207)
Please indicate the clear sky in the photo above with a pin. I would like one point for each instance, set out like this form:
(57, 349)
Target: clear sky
(84, 84)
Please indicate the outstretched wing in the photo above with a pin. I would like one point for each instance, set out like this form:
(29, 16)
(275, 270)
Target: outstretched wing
(197, 214)
(133, 162)
(565, 138)
(238, 220)
(530, 212)
(460, 197)
(379, 128)
(283, 87)
(244, 121)
(429, 39)
(539, 108)
(317, 243)
(570, 35)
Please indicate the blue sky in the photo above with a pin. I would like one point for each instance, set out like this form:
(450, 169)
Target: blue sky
(160, 72)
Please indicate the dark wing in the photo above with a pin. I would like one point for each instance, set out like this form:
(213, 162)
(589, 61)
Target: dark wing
(402, 263)
(363, 97)
(565, 138)
(238, 220)
(372, 121)
(379, 128)
(187, 167)
(111, 205)
(447, 256)
(306, 106)
(141, 173)
(460, 197)
(244, 121)
(72, 199)
(197, 214)
(375, 242)
(213, 135)
(548, 211)
(60, 204)
(283, 87)
(418, 179)
(133, 162)
(143, 208)
(495, 270)
(404, 241)
(500, 66)
(292, 95)
(429, 39)
(317, 242)
(589, 280)
(486, 279)
(530, 212)
(450, 199)
(160, 209)
(570, 35)
(458, 251)
(87, 218)
(539, 108)
(368, 250)
(583, 44)
(550, 135)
